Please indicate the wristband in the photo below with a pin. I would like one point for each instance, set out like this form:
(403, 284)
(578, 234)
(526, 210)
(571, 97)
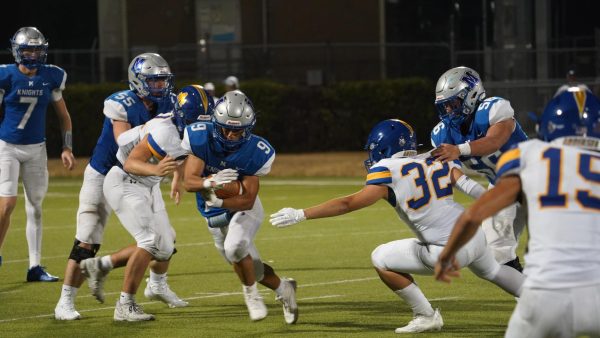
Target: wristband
(68, 140)
(217, 203)
(464, 149)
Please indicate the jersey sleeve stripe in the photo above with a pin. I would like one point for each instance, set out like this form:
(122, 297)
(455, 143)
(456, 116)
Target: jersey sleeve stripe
(508, 156)
(155, 148)
(381, 177)
(378, 169)
(510, 161)
(377, 181)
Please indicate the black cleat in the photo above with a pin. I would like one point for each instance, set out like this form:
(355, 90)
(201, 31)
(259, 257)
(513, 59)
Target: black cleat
(515, 264)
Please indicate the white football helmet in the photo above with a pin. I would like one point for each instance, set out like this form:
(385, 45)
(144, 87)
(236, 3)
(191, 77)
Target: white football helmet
(457, 94)
(150, 77)
(29, 47)
(233, 111)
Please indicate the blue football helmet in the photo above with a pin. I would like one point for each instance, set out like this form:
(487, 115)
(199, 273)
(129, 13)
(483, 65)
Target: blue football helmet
(196, 102)
(574, 114)
(389, 138)
(150, 77)
(233, 111)
(192, 104)
(458, 92)
(29, 47)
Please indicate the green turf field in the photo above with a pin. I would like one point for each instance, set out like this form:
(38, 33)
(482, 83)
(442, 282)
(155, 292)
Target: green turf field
(339, 294)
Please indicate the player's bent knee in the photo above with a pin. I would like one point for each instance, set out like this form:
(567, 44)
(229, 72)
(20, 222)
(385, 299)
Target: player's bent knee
(79, 253)
(235, 252)
(378, 257)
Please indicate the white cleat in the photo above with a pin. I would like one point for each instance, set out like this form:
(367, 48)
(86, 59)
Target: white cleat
(90, 268)
(130, 312)
(64, 311)
(254, 301)
(288, 299)
(162, 292)
(423, 323)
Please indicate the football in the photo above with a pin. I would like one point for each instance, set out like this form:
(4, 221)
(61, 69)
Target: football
(231, 189)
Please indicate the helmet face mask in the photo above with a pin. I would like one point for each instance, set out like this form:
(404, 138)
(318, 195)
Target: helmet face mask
(390, 138)
(458, 93)
(573, 116)
(29, 47)
(150, 77)
(233, 112)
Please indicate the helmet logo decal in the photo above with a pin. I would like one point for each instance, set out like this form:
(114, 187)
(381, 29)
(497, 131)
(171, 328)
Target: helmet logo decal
(137, 65)
(181, 98)
(470, 79)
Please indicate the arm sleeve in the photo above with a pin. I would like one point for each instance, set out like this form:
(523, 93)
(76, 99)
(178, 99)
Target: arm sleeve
(509, 163)
(379, 175)
(266, 168)
(500, 111)
(115, 111)
(469, 187)
(185, 143)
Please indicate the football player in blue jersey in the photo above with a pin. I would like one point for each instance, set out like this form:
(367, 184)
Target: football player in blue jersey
(221, 152)
(477, 130)
(146, 154)
(151, 84)
(559, 178)
(27, 87)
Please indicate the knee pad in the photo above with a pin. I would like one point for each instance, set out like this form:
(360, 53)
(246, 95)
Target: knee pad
(377, 258)
(234, 252)
(78, 253)
(162, 250)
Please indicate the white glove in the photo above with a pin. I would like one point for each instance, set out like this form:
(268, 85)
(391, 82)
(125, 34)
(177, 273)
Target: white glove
(286, 217)
(210, 199)
(222, 177)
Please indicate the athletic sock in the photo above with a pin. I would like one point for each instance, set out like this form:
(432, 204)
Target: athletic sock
(416, 299)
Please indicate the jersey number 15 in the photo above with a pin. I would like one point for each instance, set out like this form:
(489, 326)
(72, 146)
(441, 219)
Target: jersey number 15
(554, 197)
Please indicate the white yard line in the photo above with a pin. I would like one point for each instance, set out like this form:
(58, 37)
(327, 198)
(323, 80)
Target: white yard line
(205, 295)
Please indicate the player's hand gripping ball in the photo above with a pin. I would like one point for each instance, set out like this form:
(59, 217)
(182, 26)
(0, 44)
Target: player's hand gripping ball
(231, 189)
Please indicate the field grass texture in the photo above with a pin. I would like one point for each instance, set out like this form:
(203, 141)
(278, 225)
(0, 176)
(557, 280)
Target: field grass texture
(339, 293)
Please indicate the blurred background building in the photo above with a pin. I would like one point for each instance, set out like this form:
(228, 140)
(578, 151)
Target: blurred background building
(521, 48)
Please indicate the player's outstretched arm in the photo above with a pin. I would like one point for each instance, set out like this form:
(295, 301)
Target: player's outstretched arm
(66, 129)
(334, 207)
(505, 193)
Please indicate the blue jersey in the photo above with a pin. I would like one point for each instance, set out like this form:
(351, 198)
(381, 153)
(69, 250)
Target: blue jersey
(254, 158)
(491, 111)
(25, 100)
(123, 106)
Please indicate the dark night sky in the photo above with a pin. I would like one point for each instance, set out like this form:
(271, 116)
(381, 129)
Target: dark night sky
(67, 24)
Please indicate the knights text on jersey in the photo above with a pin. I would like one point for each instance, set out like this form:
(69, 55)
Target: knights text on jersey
(254, 158)
(491, 111)
(25, 100)
(422, 194)
(562, 187)
(123, 106)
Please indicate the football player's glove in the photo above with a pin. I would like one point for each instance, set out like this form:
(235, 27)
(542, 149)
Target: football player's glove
(286, 217)
(222, 177)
